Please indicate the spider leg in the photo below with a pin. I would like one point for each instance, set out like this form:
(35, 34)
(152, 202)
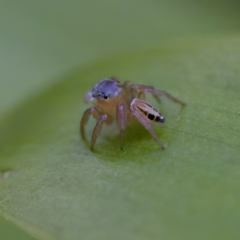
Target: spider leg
(127, 85)
(141, 90)
(121, 121)
(96, 114)
(156, 93)
(144, 120)
(103, 119)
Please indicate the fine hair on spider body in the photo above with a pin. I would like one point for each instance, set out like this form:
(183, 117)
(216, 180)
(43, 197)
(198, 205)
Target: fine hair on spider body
(123, 103)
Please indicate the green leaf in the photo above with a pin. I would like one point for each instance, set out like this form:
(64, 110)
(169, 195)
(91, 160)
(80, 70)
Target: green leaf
(9, 231)
(57, 187)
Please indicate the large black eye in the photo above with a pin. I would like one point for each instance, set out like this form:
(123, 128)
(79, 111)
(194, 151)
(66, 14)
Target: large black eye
(105, 96)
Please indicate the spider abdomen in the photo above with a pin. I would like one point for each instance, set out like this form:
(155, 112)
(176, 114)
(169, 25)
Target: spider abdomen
(148, 111)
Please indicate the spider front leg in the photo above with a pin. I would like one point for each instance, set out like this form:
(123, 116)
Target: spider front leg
(146, 114)
(96, 114)
(156, 93)
(121, 121)
(103, 119)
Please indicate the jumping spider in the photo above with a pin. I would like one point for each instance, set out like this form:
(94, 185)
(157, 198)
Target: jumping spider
(123, 103)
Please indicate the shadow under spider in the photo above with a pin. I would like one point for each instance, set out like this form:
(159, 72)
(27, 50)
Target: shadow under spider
(138, 145)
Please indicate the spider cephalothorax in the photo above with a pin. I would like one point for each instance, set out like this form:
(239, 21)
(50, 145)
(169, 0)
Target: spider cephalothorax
(123, 103)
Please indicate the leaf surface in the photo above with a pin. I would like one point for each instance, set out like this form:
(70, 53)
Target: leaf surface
(60, 189)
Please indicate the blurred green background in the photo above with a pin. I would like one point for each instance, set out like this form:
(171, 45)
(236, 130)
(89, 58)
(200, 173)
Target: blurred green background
(53, 187)
(42, 40)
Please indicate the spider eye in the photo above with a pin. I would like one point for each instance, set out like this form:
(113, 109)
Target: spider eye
(105, 97)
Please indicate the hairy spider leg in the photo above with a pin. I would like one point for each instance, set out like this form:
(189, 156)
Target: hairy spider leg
(121, 121)
(96, 114)
(127, 85)
(156, 93)
(145, 123)
(103, 119)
